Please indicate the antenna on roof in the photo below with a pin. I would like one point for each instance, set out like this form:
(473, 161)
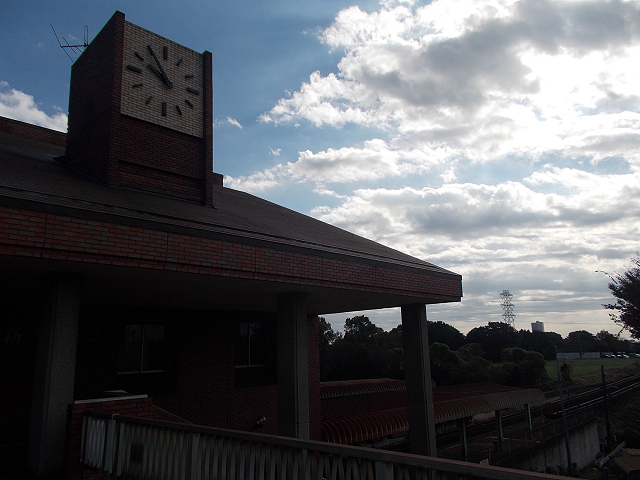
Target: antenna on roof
(74, 48)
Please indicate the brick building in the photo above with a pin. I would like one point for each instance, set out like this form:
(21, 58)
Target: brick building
(126, 265)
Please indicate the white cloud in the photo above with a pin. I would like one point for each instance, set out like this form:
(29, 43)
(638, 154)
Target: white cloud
(274, 152)
(491, 78)
(324, 100)
(229, 121)
(374, 160)
(592, 206)
(510, 236)
(257, 182)
(505, 144)
(20, 106)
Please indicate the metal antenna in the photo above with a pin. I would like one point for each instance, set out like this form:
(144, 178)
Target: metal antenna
(74, 48)
(507, 308)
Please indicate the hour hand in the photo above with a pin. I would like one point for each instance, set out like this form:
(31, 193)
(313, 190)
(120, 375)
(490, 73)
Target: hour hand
(157, 73)
(163, 76)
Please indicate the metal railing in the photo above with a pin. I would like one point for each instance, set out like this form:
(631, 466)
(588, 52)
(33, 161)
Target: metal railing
(538, 435)
(136, 448)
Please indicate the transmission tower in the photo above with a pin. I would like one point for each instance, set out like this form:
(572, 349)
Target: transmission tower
(507, 308)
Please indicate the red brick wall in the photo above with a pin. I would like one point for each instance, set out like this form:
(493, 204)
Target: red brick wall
(201, 385)
(43, 235)
(94, 100)
(206, 385)
(157, 159)
(32, 132)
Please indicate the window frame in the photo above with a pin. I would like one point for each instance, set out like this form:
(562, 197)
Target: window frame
(248, 347)
(252, 375)
(141, 353)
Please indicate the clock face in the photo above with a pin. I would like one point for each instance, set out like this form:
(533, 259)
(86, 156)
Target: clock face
(162, 81)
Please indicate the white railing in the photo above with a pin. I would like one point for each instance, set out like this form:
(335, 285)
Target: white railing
(122, 447)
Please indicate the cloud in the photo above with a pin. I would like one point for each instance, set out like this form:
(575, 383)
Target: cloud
(257, 182)
(229, 121)
(513, 235)
(274, 152)
(374, 160)
(502, 142)
(20, 106)
(467, 212)
(491, 78)
(324, 100)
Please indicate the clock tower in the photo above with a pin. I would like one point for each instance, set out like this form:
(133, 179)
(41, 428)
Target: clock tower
(141, 113)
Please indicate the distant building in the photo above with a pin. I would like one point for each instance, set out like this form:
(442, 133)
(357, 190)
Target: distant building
(537, 327)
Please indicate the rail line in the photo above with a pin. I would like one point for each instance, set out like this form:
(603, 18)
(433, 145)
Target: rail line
(591, 396)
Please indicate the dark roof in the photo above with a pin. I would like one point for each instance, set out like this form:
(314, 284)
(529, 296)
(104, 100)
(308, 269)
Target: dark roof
(337, 271)
(350, 413)
(28, 171)
(360, 387)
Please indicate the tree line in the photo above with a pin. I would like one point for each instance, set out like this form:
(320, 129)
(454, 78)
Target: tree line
(496, 352)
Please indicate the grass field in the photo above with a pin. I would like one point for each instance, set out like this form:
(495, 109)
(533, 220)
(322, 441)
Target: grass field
(591, 366)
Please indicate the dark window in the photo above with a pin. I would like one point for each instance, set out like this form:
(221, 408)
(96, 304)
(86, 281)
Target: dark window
(144, 348)
(255, 353)
(252, 346)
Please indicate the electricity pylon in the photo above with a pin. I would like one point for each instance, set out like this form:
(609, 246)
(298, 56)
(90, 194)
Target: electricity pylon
(507, 308)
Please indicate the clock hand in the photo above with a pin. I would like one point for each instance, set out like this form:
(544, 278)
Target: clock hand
(156, 72)
(163, 75)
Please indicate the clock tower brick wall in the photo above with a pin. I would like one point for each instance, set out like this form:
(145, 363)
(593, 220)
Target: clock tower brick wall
(127, 152)
(96, 82)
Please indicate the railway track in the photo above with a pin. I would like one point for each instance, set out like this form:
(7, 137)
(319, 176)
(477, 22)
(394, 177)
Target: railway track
(592, 397)
(588, 397)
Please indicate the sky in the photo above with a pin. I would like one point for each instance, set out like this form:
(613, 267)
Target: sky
(496, 139)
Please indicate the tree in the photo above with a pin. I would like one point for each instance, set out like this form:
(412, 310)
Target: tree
(473, 366)
(364, 351)
(464, 365)
(626, 288)
(394, 338)
(545, 343)
(360, 330)
(440, 332)
(328, 339)
(581, 341)
(494, 338)
(608, 342)
(521, 368)
(327, 335)
(444, 364)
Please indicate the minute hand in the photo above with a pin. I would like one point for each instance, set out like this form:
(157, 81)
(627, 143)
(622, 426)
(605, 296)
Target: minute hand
(164, 75)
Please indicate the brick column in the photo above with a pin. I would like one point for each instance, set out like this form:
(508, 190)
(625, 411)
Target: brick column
(422, 433)
(54, 374)
(293, 366)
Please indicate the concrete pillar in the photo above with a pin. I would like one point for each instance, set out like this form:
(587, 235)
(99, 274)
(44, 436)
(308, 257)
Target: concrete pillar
(293, 366)
(54, 376)
(422, 433)
(527, 416)
(464, 448)
(499, 432)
